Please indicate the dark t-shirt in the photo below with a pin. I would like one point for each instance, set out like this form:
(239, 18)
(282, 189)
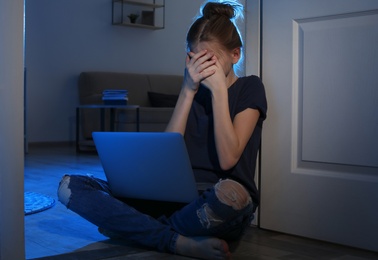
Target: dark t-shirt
(246, 92)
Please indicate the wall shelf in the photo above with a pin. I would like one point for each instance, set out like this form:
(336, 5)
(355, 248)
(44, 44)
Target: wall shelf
(151, 15)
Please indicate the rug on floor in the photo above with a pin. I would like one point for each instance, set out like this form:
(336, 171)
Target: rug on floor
(37, 202)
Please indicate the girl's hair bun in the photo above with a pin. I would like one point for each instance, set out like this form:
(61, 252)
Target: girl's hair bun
(213, 9)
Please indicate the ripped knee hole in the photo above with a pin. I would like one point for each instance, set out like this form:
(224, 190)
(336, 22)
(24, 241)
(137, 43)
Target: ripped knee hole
(64, 193)
(207, 217)
(232, 194)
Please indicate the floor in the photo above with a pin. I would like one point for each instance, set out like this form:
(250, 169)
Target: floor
(58, 233)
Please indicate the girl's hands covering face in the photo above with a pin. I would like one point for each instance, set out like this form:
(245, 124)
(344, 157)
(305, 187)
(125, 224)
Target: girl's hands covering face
(217, 79)
(199, 66)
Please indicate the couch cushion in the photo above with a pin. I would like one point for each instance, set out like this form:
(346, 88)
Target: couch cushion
(162, 100)
(167, 84)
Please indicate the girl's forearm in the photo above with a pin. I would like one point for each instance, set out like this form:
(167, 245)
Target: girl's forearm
(180, 114)
(226, 139)
(231, 137)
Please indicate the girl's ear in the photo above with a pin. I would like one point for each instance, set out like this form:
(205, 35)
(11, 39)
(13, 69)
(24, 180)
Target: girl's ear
(236, 55)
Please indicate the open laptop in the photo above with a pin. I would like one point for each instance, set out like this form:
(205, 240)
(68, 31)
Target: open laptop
(146, 165)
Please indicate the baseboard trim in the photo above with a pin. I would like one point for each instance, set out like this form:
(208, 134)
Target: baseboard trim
(46, 144)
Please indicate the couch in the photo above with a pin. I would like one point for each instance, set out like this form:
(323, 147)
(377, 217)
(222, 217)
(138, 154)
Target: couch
(155, 95)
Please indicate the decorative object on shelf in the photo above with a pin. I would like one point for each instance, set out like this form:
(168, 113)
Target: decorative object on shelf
(133, 17)
(148, 18)
(125, 13)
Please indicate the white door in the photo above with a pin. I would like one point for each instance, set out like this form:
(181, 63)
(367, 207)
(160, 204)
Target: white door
(320, 141)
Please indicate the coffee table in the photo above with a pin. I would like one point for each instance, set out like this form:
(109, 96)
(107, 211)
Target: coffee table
(102, 108)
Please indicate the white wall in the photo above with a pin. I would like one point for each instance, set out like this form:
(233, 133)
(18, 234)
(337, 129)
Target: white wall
(11, 131)
(64, 38)
(252, 37)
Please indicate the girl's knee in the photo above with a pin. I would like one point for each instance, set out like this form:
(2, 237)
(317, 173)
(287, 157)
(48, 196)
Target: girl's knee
(232, 194)
(64, 193)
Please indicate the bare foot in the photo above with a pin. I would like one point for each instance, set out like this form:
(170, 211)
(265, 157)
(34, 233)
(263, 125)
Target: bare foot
(202, 247)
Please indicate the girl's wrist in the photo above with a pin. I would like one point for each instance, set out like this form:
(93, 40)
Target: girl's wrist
(189, 91)
(219, 92)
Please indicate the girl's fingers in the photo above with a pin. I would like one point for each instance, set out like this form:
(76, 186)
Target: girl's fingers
(207, 73)
(200, 57)
(204, 59)
(197, 55)
(200, 65)
(191, 54)
(201, 60)
(203, 66)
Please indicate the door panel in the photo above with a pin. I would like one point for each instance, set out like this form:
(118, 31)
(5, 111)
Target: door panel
(320, 143)
(337, 89)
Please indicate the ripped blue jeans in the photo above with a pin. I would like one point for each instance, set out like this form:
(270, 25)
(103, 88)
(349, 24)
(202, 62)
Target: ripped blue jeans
(92, 199)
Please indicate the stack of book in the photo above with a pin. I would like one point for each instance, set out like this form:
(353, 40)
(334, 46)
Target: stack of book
(115, 97)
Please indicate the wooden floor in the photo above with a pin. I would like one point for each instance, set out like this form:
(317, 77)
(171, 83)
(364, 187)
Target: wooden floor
(58, 233)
